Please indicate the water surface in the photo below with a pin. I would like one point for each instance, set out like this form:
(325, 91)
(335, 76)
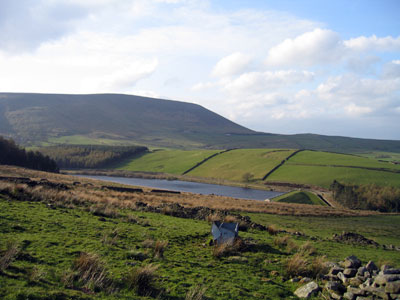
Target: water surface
(192, 187)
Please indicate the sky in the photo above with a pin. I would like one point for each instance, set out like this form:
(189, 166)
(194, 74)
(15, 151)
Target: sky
(288, 66)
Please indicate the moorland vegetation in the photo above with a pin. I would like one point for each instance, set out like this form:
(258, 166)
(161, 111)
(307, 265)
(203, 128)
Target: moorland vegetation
(69, 238)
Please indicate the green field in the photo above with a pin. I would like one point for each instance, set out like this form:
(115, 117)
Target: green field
(385, 156)
(336, 159)
(233, 164)
(50, 240)
(85, 140)
(167, 161)
(300, 197)
(324, 176)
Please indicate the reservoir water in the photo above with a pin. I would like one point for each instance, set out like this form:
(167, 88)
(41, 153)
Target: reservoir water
(192, 187)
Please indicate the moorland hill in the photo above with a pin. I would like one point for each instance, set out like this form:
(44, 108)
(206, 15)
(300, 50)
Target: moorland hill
(43, 119)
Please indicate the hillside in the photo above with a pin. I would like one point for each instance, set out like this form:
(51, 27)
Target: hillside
(114, 119)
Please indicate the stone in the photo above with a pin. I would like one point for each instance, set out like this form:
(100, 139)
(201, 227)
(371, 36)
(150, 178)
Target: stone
(384, 279)
(335, 270)
(352, 262)
(361, 271)
(335, 295)
(349, 296)
(356, 281)
(371, 266)
(390, 271)
(356, 291)
(364, 298)
(393, 287)
(366, 283)
(343, 278)
(307, 290)
(335, 286)
(350, 272)
(238, 259)
(395, 296)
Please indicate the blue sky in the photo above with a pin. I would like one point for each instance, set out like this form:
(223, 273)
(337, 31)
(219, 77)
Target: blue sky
(325, 67)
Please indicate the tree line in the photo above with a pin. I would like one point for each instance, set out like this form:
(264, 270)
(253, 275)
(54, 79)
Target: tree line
(90, 156)
(367, 196)
(12, 154)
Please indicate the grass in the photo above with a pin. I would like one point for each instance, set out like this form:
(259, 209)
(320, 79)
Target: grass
(300, 197)
(85, 140)
(167, 161)
(385, 156)
(66, 238)
(332, 159)
(234, 164)
(324, 176)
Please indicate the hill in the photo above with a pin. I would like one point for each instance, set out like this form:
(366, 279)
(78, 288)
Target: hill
(115, 119)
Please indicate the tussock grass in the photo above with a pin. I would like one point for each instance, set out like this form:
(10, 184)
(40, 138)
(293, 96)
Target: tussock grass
(11, 251)
(227, 249)
(159, 249)
(297, 265)
(272, 229)
(88, 271)
(143, 280)
(196, 293)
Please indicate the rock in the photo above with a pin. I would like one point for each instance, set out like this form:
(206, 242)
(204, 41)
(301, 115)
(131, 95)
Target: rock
(371, 266)
(296, 279)
(335, 286)
(393, 287)
(335, 295)
(356, 281)
(390, 271)
(385, 267)
(356, 291)
(364, 298)
(384, 279)
(349, 296)
(350, 272)
(361, 271)
(366, 283)
(335, 270)
(395, 296)
(343, 278)
(307, 290)
(352, 262)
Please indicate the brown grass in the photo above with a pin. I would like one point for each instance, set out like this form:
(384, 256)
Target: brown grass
(272, 229)
(148, 243)
(307, 249)
(297, 265)
(196, 293)
(90, 193)
(88, 271)
(319, 267)
(159, 249)
(12, 250)
(282, 241)
(227, 249)
(143, 280)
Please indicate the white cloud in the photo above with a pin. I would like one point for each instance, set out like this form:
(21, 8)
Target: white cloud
(310, 48)
(254, 82)
(391, 69)
(355, 110)
(373, 43)
(231, 65)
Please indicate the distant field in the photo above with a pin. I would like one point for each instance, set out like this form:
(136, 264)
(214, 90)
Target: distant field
(385, 156)
(84, 140)
(300, 197)
(233, 164)
(324, 176)
(167, 161)
(329, 159)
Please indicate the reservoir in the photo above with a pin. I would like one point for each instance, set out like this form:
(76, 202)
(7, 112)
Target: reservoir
(192, 187)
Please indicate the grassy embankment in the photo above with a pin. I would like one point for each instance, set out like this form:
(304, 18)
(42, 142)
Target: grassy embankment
(110, 224)
(300, 197)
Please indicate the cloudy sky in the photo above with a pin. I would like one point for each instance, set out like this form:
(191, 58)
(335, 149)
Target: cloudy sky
(288, 66)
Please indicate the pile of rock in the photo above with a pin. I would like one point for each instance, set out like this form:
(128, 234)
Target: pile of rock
(352, 281)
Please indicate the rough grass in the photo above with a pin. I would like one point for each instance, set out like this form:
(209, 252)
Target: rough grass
(55, 229)
(167, 161)
(234, 164)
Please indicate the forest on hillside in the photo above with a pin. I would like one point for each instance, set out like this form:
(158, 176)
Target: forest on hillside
(367, 196)
(90, 156)
(12, 154)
